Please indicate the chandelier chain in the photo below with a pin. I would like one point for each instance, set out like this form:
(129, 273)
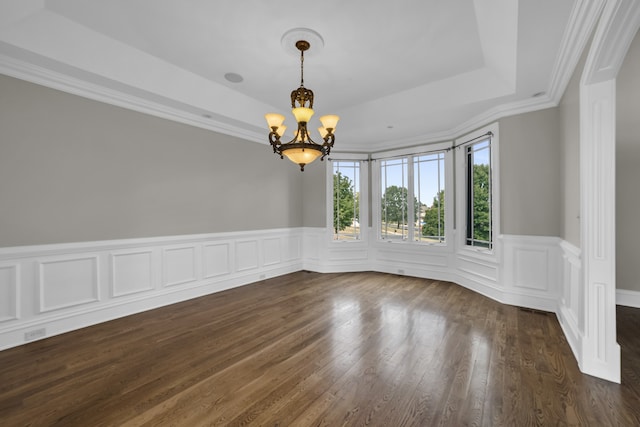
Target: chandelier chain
(301, 68)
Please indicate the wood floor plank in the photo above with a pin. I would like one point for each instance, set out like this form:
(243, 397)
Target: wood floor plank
(309, 349)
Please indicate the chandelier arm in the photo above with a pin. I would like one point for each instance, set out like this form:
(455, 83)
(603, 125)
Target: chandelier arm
(274, 140)
(329, 139)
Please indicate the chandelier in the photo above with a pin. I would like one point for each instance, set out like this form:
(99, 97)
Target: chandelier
(301, 149)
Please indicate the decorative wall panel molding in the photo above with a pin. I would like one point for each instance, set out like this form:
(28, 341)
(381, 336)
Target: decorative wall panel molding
(247, 255)
(292, 249)
(131, 272)
(523, 270)
(532, 271)
(272, 251)
(597, 215)
(216, 259)
(51, 289)
(476, 268)
(569, 311)
(75, 291)
(179, 265)
(68, 281)
(9, 296)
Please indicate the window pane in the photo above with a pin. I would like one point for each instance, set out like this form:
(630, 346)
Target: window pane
(346, 200)
(393, 215)
(428, 174)
(479, 194)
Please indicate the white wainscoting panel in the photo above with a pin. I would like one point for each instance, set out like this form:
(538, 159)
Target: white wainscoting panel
(9, 296)
(572, 293)
(522, 270)
(292, 249)
(570, 307)
(531, 271)
(131, 272)
(179, 265)
(313, 242)
(478, 268)
(271, 250)
(51, 289)
(216, 259)
(247, 255)
(345, 252)
(427, 261)
(415, 255)
(67, 282)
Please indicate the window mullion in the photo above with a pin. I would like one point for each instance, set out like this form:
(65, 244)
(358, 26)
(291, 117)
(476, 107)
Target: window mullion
(439, 189)
(410, 200)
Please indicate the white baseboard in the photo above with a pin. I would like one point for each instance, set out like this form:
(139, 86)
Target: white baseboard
(628, 298)
(571, 331)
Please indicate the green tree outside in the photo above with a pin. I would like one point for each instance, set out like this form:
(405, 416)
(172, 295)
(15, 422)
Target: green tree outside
(434, 218)
(345, 202)
(394, 205)
(481, 203)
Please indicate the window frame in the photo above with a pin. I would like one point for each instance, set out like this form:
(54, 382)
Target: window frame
(377, 191)
(363, 159)
(462, 196)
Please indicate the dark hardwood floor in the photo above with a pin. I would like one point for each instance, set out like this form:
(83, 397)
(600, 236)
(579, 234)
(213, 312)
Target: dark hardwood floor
(310, 349)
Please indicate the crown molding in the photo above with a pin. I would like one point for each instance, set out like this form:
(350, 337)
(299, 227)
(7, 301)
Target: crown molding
(489, 116)
(13, 67)
(582, 23)
(617, 27)
(583, 19)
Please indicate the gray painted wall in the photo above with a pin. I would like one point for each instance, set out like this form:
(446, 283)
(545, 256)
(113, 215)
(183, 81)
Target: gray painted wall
(530, 189)
(314, 184)
(628, 170)
(569, 110)
(72, 170)
(530, 174)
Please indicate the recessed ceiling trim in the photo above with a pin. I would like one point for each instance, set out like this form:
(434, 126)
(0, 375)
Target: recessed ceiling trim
(26, 71)
(64, 41)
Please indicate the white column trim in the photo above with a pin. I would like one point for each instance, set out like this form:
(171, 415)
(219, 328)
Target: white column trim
(620, 20)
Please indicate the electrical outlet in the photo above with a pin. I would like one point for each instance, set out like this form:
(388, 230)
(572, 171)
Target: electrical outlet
(263, 276)
(400, 271)
(35, 334)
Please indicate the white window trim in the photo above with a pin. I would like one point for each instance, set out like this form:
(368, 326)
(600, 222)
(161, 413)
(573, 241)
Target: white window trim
(364, 196)
(461, 192)
(419, 149)
(376, 193)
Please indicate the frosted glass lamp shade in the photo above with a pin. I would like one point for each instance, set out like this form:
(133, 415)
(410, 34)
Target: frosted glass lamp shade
(302, 114)
(330, 121)
(323, 132)
(301, 156)
(274, 120)
(280, 130)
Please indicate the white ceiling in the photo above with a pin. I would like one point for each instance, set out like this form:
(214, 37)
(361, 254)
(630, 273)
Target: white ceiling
(398, 72)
